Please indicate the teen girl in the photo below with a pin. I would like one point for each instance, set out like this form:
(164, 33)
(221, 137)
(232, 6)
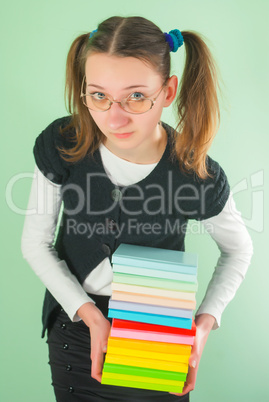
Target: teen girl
(117, 167)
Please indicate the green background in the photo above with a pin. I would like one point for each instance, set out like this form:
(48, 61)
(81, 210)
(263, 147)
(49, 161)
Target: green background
(35, 38)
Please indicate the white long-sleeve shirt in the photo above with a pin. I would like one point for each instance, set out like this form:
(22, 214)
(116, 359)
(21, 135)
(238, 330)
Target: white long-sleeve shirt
(227, 229)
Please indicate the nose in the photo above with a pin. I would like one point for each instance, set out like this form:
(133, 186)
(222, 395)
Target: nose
(117, 117)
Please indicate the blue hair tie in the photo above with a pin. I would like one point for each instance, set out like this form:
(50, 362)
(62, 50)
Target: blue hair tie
(169, 40)
(175, 39)
(92, 33)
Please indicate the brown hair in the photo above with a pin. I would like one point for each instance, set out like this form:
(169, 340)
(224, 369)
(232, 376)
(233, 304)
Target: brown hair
(197, 102)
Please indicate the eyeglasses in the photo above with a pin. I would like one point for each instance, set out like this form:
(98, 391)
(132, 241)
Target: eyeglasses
(135, 103)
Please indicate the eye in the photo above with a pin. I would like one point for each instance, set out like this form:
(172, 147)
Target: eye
(136, 96)
(98, 95)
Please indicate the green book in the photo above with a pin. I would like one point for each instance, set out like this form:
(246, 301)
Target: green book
(154, 282)
(142, 371)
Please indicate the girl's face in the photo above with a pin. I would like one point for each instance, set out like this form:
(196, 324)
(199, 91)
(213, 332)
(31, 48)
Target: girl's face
(130, 136)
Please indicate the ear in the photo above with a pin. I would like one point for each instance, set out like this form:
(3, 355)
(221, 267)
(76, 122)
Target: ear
(170, 90)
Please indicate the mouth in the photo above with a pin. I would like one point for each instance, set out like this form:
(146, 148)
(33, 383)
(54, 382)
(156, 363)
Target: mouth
(123, 135)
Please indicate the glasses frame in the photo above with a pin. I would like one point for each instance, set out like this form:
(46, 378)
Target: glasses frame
(121, 103)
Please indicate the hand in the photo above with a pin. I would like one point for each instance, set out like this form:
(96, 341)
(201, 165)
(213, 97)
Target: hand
(204, 324)
(99, 328)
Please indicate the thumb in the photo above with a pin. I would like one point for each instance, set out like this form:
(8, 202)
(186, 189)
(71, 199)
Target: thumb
(104, 348)
(193, 360)
(192, 363)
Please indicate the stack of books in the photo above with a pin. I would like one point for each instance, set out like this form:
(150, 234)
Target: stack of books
(152, 303)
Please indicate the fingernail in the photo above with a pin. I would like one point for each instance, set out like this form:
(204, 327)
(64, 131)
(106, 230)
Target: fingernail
(193, 364)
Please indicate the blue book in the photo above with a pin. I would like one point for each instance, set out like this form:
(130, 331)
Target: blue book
(157, 319)
(150, 308)
(156, 258)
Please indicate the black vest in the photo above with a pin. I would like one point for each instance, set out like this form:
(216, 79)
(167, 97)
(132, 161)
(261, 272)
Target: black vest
(98, 216)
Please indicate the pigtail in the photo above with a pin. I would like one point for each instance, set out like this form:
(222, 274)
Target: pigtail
(197, 106)
(86, 134)
(73, 74)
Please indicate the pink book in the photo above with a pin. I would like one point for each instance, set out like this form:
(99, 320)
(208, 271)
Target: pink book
(152, 336)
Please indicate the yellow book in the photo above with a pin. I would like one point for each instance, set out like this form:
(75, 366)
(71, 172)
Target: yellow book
(148, 354)
(128, 377)
(149, 363)
(153, 346)
(142, 385)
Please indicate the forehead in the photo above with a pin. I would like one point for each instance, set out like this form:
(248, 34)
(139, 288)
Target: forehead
(119, 72)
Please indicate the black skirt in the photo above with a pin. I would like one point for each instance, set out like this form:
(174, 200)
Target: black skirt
(69, 359)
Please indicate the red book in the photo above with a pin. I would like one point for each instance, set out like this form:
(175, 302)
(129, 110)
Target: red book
(117, 323)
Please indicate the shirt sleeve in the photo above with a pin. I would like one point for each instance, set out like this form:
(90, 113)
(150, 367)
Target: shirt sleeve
(215, 191)
(236, 249)
(47, 154)
(37, 245)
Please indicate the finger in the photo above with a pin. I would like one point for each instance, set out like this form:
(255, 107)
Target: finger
(105, 348)
(97, 365)
(194, 358)
(193, 362)
(95, 373)
(190, 380)
(187, 388)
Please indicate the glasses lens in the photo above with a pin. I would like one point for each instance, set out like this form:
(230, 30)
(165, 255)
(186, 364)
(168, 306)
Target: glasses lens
(96, 103)
(137, 106)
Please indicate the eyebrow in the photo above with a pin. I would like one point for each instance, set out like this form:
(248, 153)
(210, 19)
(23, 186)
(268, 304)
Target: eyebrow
(130, 87)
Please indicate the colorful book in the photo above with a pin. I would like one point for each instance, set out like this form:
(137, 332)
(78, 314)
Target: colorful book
(129, 269)
(145, 372)
(144, 290)
(153, 328)
(152, 336)
(145, 354)
(128, 377)
(161, 347)
(150, 281)
(148, 363)
(149, 308)
(158, 301)
(151, 332)
(155, 258)
(156, 386)
(158, 319)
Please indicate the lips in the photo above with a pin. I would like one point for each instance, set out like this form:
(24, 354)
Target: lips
(123, 135)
